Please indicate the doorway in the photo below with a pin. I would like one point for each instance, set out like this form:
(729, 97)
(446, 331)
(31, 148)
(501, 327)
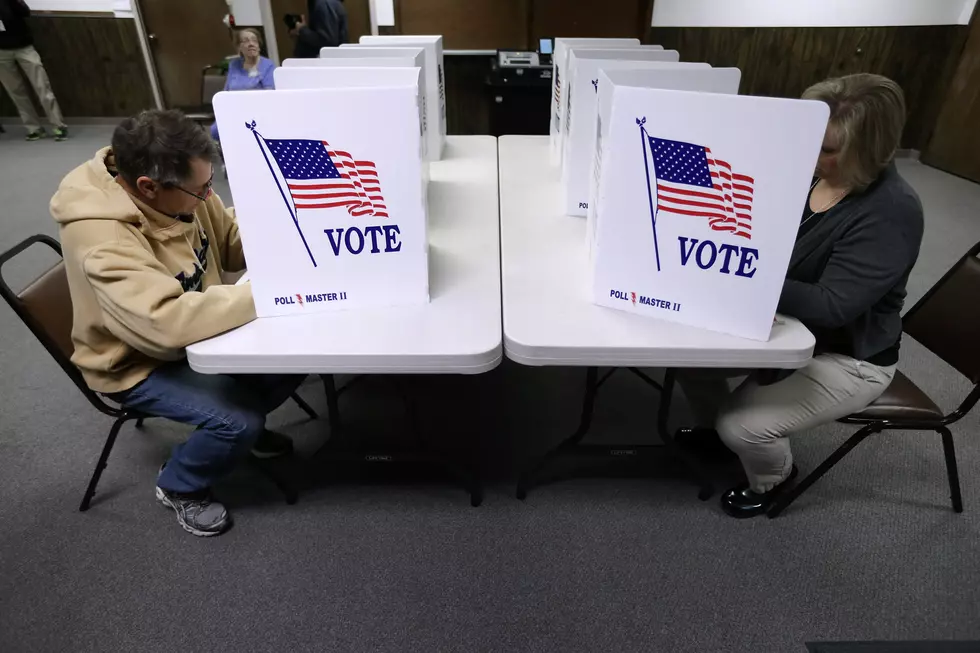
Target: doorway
(184, 37)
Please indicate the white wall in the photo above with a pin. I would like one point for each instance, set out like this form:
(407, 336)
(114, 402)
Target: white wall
(107, 6)
(810, 13)
(248, 13)
(384, 12)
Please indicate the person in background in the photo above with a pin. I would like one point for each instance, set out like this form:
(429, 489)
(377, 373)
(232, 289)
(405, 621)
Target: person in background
(858, 239)
(145, 243)
(327, 28)
(17, 47)
(248, 71)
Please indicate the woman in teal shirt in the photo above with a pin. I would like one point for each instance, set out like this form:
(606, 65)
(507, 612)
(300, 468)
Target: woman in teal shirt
(249, 71)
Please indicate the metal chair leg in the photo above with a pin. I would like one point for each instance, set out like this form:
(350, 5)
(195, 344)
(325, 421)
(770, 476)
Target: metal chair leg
(139, 423)
(788, 497)
(103, 459)
(951, 471)
(305, 407)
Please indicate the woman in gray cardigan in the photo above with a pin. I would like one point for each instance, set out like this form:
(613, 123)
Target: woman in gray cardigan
(858, 239)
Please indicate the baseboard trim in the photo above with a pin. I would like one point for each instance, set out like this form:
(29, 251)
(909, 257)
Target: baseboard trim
(14, 121)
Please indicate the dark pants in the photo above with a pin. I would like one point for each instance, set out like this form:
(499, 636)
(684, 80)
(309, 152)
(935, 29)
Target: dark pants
(228, 410)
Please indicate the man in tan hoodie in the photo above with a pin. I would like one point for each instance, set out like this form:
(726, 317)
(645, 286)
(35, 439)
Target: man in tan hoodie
(145, 243)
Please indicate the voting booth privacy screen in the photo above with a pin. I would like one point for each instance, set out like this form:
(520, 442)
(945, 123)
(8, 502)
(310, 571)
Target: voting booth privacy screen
(578, 139)
(313, 77)
(698, 205)
(559, 58)
(675, 77)
(576, 58)
(392, 52)
(328, 196)
(434, 76)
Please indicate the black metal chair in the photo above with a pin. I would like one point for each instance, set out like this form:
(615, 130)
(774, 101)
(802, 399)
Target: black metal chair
(45, 307)
(947, 322)
(213, 79)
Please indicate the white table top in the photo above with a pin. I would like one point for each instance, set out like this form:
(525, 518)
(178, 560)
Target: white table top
(549, 318)
(457, 332)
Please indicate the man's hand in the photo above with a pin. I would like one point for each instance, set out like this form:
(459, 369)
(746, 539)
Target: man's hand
(300, 24)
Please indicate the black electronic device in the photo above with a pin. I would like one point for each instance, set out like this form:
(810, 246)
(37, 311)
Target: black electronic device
(519, 92)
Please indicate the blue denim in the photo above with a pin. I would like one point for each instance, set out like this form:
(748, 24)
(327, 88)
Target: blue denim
(228, 410)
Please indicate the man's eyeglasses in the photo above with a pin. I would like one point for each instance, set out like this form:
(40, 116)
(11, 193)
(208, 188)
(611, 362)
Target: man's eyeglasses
(207, 189)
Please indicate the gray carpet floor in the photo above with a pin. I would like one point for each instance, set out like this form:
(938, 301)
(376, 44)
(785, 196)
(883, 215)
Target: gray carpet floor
(594, 563)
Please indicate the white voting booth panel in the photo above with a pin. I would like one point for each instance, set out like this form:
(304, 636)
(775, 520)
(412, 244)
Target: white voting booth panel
(430, 101)
(364, 62)
(435, 80)
(558, 61)
(310, 77)
(698, 205)
(573, 62)
(674, 77)
(327, 195)
(579, 139)
(435, 134)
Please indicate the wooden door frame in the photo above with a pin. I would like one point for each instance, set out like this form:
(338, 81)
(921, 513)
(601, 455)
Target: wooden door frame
(148, 61)
(925, 154)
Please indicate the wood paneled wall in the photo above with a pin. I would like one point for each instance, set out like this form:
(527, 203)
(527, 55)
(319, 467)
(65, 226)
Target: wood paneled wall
(95, 65)
(784, 61)
(516, 24)
(955, 144)
(602, 19)
(469, 25)
(779, 62)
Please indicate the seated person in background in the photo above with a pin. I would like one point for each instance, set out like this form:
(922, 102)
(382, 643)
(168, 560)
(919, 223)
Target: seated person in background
(145, 243)
(248, 71)
(858, 239)
(327, 28)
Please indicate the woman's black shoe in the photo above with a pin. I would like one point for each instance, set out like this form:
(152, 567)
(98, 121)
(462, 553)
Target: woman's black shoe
(741, 502)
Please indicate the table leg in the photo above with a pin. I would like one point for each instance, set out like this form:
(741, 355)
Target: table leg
(354, 451)
(663, 429)
(532, 471)
(465, 473)
(333, 405)
(526, 479)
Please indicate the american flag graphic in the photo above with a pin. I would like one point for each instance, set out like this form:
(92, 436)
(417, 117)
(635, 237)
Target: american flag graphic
(693, 182)
(320, 177)
(556, 119)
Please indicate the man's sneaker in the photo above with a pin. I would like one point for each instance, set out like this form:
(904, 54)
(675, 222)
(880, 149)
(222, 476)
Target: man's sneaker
(36, 135)
(61, 134)
(197, 512)
(272, 445)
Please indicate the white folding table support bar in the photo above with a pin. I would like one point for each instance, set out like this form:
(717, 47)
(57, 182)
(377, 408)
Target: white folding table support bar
(549, 318)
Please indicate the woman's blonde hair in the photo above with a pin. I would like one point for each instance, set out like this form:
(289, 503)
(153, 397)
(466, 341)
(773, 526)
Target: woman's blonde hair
(867, 115)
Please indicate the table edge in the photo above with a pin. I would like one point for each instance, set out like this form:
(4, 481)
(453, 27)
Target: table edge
(468, 364)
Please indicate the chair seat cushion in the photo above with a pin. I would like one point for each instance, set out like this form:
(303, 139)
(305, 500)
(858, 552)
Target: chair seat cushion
(901, 401)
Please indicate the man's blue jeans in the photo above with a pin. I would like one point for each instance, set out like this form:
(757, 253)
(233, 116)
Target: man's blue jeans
(228, 410)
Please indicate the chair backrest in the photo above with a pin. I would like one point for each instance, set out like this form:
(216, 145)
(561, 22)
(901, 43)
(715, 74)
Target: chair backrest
(947, 319)
(45, 307)
(210, 86)
(47, 301)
